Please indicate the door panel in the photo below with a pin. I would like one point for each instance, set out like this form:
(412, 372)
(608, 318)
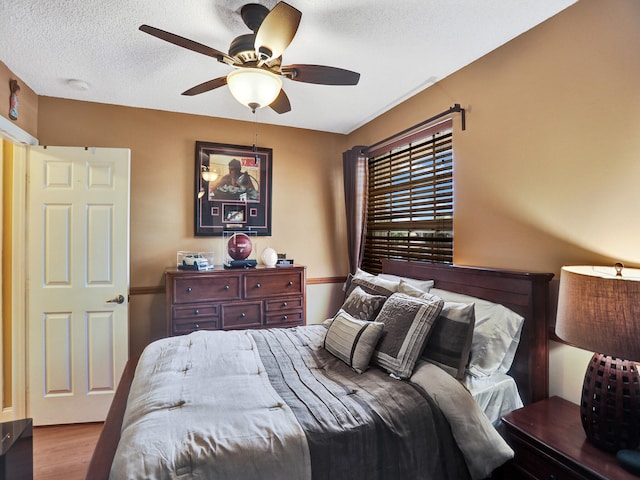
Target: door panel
(78, 261)
(57, 345)
(57, 243)
(101, 339)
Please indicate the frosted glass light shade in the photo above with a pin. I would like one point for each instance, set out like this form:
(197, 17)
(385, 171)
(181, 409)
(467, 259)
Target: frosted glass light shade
(209, 176)
(254, 87)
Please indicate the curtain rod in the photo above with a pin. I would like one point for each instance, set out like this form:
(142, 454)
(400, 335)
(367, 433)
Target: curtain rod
(455, 108)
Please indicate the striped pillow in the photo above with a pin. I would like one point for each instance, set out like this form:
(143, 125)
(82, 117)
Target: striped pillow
(352, 340)
(449, 344)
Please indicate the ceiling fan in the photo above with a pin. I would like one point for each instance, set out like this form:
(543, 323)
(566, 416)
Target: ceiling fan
(259, 55)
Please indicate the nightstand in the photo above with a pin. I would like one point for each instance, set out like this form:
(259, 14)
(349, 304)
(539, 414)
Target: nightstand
(550, 444)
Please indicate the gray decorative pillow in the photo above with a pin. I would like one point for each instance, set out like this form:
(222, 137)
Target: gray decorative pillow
(362, 305)
(449, 343)
(370, 283)
(407, 324)
(352, 340)
(496, 334)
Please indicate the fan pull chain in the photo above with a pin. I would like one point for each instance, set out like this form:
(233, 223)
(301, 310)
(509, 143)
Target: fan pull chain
(255, 141)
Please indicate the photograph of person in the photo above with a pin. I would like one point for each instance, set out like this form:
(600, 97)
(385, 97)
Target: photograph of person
(240, 183)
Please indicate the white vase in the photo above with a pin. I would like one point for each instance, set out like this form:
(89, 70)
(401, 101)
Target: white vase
(269, 257)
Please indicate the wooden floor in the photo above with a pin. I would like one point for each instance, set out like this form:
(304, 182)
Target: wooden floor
(63, 452)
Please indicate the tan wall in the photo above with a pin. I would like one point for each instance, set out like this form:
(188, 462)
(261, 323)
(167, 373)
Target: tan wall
(27, 102)
(548, 170)
(308, 201)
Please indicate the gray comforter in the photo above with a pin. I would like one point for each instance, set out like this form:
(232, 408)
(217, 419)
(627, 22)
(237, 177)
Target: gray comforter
(273, 404)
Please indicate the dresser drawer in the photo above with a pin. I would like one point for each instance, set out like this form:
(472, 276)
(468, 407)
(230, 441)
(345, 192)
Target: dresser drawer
(284, 319)
(241, 315)
(266, 285)
(195, 311)
(281, 304)
(188, 325)
(197, 288)
(538, 464)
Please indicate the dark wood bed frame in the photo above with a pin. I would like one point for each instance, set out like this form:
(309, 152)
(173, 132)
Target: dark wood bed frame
(525, 293)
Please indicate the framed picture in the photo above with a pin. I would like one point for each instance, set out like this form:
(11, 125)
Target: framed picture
(233, 189)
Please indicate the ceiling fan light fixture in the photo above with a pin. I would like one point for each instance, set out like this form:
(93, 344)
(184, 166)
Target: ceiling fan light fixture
(209, 174)
(254, 87)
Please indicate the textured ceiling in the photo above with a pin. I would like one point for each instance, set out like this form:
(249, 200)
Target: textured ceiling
(400, 48)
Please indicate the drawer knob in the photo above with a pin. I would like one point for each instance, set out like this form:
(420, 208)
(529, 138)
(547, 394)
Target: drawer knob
(242, 315)
(290, 283)
(284, 304)
(196, 326)
(258, 285)
(227, 287)
(196, 312)
(188, 289)
(284, 318)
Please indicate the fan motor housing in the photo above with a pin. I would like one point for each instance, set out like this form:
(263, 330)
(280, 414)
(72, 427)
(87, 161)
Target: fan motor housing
(242, 48)
(253, 14)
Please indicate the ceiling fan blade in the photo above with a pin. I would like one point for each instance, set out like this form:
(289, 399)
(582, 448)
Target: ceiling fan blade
(277, 31)
(281, 104)
(321, 75)
(206, 86)
(186, 43)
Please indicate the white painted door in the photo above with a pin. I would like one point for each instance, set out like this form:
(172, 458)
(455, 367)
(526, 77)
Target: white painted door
(78, 264)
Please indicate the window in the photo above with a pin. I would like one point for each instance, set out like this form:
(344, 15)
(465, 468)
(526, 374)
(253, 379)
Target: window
(410, 206)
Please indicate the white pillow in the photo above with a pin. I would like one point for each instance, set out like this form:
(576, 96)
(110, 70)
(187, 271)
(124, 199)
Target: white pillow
(423, 285)
(409, 289)
(495, 337)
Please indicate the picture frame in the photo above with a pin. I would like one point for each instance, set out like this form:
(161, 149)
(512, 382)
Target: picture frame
(233, 189)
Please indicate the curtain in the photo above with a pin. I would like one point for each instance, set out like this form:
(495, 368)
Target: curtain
(356, 180)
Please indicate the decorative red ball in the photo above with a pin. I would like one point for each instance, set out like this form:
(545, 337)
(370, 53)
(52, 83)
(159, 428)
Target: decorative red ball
(239, 246)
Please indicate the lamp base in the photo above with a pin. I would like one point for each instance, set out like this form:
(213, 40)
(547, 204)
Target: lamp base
(610, 404)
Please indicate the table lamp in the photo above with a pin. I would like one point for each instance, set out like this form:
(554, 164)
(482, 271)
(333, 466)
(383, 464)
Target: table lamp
(599, 311)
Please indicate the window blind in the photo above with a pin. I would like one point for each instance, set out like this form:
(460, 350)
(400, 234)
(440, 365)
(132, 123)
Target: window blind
(410, 205)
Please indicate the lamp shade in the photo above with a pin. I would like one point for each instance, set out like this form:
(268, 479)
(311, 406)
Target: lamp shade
(599, 310)
(254, 87)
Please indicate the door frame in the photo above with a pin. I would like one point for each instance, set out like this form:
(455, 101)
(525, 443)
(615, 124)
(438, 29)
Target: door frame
(20, 140)
(19, 297)
(18, 408)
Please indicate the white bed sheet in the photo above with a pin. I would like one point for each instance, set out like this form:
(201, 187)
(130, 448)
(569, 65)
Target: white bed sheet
(497, 394)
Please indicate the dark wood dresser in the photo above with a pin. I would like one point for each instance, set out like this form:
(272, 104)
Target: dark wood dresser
(224, 299)
(550, 444)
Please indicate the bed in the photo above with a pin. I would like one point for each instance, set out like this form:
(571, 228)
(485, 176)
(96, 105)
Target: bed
(372, 404)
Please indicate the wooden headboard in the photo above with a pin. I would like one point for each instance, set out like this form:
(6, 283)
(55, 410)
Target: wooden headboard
(525, 293)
